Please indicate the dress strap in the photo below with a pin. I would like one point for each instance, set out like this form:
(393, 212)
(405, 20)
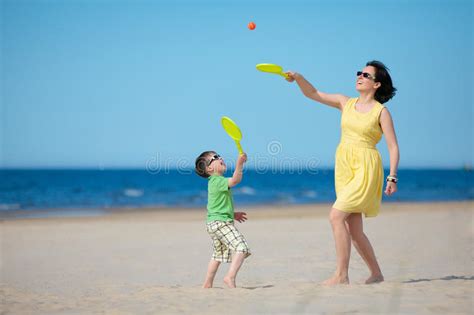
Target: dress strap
(350, 102)
(377, 114)
(378, 111)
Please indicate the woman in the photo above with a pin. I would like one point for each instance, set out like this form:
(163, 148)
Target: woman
(358, 167)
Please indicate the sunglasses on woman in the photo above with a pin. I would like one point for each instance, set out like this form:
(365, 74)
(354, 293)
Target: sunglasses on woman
(365, 75)
(214, 158)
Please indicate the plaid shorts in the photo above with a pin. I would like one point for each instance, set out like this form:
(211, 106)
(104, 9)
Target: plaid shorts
(226, 238)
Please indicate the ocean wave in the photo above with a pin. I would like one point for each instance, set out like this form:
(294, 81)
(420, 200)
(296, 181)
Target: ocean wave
(9, 206)
(246, 190)
(309, 194)
(134, 193)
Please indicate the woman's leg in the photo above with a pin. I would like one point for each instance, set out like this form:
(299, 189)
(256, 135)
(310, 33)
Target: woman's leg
(363, 246)
(343, 247)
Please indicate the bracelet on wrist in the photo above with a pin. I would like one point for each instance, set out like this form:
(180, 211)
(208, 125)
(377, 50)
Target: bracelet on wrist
(393, 179)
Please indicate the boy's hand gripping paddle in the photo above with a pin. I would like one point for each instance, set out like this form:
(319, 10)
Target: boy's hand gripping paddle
(233, 131)
(271, 68)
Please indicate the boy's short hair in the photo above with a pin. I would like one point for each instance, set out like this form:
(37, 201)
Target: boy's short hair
(201, 163)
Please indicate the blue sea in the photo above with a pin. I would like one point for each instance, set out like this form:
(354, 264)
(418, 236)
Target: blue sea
(91, 192)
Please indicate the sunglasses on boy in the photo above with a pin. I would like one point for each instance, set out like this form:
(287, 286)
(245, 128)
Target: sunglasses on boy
(214, 158)
(365, 75)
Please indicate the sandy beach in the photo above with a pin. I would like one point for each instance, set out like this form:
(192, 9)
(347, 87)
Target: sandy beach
(153, 261)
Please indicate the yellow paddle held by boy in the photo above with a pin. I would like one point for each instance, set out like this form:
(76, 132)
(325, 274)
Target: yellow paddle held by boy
(233, 131)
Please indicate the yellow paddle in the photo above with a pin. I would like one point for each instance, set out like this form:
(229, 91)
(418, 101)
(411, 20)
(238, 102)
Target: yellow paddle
(233, 131)
(271, 68)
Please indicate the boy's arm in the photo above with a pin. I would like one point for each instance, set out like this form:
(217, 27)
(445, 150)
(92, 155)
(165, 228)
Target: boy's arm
(237, 176)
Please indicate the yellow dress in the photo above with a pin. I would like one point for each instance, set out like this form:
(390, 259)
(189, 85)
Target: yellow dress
(358, 170)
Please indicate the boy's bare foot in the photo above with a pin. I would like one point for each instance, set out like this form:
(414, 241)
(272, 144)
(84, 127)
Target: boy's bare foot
(335, 280)
(229, 282)
(207, 285)
(374, 279)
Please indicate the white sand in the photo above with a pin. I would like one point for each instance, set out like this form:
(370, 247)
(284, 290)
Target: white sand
(154, 262)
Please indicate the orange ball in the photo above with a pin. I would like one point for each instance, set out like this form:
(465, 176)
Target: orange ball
(251, 26)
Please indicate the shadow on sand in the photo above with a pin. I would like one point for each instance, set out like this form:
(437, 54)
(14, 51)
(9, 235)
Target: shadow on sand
(259, 287)
(443, 278)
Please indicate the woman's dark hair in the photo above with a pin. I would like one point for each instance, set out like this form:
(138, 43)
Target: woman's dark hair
(201, 164)
(386, 90)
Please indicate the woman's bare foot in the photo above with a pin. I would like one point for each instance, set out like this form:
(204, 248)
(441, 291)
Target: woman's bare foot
(230, 282)
(207, 285)
(374, 279)
(335, 280)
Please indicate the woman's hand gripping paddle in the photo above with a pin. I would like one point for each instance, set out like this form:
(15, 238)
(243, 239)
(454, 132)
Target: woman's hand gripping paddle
(271, 68)
(233, 131)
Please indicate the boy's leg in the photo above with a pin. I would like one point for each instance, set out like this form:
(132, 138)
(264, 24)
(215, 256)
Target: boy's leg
(211, 273)
(237, 260)
(220, 254)
(234, 241)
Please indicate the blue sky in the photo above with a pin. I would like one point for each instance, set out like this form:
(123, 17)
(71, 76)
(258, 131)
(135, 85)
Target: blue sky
(106, 84)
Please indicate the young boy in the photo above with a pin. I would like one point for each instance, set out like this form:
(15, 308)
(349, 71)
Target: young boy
(220, 216)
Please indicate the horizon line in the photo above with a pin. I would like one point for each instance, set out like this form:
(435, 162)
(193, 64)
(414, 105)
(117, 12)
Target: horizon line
(466, 168)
